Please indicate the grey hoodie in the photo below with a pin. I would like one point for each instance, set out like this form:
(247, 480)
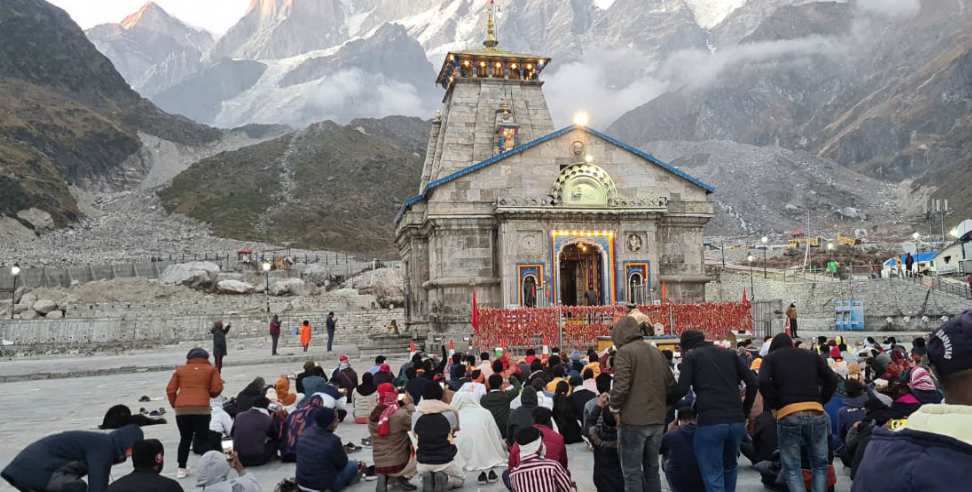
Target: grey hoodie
(213, 472)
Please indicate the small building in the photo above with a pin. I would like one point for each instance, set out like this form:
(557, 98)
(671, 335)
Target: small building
(523, 214)
(956, 257)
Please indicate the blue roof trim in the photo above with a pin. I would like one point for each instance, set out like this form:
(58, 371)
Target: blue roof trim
(537, 141)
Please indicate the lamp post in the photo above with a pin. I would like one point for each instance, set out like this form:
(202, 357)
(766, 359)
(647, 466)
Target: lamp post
(917, 237)
(266, 272)
(752, 289)
(15, 271)
(765, 241)
(830, 250)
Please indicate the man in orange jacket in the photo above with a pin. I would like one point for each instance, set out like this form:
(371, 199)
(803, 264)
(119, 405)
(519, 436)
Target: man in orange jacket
(305, 334)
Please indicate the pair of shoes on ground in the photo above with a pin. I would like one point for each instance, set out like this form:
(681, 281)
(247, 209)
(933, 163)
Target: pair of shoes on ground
(386, 483)
(351, 447)
(435, 482)
(154, 413)
(487, 479)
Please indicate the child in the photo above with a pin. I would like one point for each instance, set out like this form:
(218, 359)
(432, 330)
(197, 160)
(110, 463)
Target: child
(678, 454)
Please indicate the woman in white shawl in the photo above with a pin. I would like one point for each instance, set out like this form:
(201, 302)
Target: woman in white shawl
(479, 440)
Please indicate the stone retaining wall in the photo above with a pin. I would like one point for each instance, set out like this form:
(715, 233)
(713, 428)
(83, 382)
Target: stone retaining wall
(37, 337)
(905, 302)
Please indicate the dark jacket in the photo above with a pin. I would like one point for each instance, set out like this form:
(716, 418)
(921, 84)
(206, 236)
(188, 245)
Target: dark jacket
(498, 404)
(144, 481)
(434, 433)
(252, 430)
(416, 387)
(219, 340)
(790, 375)
(714, 374)
(568, 424)
(580, 398)
(96, 451)
(320, 457)
(522, 417)
(275, 328)
(248, 396)
(679, 463)
(764, 436)
(850, 413)
(913, 461)
(642, 378)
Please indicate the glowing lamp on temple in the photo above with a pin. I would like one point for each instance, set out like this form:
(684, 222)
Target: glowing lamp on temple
(581, 118)
(588, 158)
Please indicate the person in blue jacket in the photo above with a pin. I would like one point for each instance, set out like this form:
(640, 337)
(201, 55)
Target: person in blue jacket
(322, 463)
(932, 452)
(678, 454)
(58, 462)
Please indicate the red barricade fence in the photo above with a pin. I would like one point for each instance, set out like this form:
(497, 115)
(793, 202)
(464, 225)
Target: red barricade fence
(521, 328)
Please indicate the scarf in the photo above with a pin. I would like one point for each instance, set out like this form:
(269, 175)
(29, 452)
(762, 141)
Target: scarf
(388, 402)
(296, 422)
(921, 380)
(532, 448)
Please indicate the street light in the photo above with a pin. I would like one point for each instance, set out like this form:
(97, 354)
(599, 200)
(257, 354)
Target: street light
(15, 271)
(765, 241)
(917, 237)
(266, 271)
(954, 232)
(751, 288)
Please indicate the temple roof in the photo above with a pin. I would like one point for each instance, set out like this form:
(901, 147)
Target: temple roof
(425, 193)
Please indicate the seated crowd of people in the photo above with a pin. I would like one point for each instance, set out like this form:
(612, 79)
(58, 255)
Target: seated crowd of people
(792, 409)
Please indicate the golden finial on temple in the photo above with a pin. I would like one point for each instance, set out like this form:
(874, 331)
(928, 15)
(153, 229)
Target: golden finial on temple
(491, 41)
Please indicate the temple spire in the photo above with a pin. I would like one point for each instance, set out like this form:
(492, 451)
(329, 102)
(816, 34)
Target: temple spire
(491, 41)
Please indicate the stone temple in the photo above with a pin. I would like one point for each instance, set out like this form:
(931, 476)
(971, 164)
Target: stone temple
(524, 214)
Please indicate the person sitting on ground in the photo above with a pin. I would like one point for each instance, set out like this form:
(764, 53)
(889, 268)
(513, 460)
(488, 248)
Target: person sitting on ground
(309, 370)
(923, 386)
(57, 462)
(435, 424)
(534, 470)
(379, 360)
(480, 443)
(458, 378)
(565, 415)
(497, 401)
(296, 424)
(388, 425)
(602, 430)
(284, 396)
(119, 416)
(255, 436)
(476, 385)
(603, 385)
(678, 454)
(214, 474)
(593, 363)
(365, 398)
(148, 460)
(485, 366)
(853, 411)
(345, 377)
(583, 392)
(559, 374)
(384, 375)
(250, 394)
(553, 442)
(521, 417)
(322, 462)
(220, 424)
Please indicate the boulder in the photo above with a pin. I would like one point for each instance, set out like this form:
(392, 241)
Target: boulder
(386, 284)
(193, 274)
(28, 299)
(318, 273)
(44, 306)
(29, 314)
(41, 220)
(291, 286)
(221, 276)
(20, 308)
(56, 314)
(12, 230)
(233, 287)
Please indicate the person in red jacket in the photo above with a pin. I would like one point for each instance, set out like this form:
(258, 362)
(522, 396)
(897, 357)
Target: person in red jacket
(274, 333)
(189, 391)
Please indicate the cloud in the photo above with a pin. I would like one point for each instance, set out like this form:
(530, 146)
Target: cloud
(891, 8)
(601, 84)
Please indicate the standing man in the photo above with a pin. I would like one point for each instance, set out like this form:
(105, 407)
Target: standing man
(796, 384)
(331, 326)
(791, 315)
(305, 334)
(715, 373)
(641, 384)
(219, 343)
(909, 264)
(274, 333)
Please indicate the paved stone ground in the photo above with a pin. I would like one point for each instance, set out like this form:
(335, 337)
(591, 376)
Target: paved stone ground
(33, 409)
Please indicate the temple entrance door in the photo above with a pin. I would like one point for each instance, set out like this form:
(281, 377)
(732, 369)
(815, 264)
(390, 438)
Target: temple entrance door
(581, 270)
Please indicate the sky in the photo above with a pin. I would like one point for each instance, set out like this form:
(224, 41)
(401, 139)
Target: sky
(216, 16)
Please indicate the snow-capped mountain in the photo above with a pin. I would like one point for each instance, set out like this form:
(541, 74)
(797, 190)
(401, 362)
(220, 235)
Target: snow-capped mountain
(151, 48)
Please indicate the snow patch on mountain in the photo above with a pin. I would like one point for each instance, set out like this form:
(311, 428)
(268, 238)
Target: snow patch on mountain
(709, 13)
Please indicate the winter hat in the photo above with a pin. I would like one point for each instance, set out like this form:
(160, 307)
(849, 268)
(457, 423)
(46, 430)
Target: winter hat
(147, 454)
(344, 358)
(835, 353)
(691, 339)
(384, 368)
(197, 353)
(432, 392)
(324, 417)
(950, 347)
(921, 380)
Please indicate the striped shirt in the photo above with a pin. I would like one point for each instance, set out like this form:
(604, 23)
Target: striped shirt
(536, 474)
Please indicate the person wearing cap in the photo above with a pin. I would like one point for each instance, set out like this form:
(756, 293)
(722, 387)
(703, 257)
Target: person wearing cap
(58, 462)
(534, 472)
(933, 450)
(322, 462)
(795, 385)
(715, 374)
(189, 390)
(148, 460)
(641, 383)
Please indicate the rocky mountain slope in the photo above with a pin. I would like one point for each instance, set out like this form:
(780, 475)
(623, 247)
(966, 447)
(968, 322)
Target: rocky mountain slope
(69, 118)
(331, 186)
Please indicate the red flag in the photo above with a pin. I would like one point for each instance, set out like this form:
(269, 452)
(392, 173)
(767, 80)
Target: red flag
(475, 313)
(745, 300)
